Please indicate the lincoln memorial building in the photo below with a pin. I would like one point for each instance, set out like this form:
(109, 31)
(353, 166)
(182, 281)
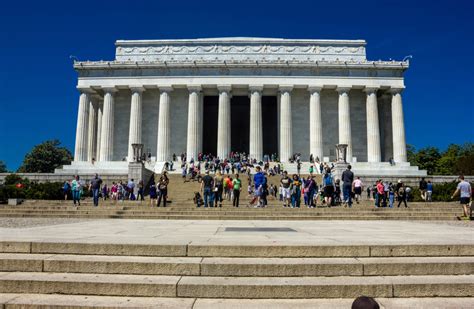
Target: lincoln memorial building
(260, 96)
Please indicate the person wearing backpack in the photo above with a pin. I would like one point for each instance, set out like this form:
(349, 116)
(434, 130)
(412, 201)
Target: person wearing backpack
(328, 185)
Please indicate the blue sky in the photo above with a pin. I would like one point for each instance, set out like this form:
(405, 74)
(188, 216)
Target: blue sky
(38, 98)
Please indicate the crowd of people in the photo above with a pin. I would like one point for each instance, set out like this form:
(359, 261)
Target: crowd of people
(225, 184)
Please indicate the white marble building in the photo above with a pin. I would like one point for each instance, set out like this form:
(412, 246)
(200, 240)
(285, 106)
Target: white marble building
(258, 95)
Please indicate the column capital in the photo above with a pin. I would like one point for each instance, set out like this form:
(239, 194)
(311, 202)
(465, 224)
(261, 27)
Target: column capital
(85, 90)
(110, 90)
(166, 89)
(194, 88)
(255, 88)
(224, 88)
(314, 88)
(138, 89)
(285, 88)
(342, 90)
(395, 90)
(370, 90)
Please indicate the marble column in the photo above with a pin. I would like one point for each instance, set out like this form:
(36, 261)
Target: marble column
(99, 128)
(107, 131)
(164, 126)
(398, 127)
(194, 121)
(256, 125)
(315, 123)
(223, 122)
(92, 138)
(80, 151)
(201, 116)
(345, 135)
(135, 128)
(286, 128)
(373, 131)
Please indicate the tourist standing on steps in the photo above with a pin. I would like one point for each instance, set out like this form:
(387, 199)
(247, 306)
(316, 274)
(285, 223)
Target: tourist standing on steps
(380, 193)
(295, 190)
(218, 188)
(429, 191)
(141, 191)
(94, 186)
(259, 181)
(285, 183)
(423, 187)
(358, 187)
(464, 190)
(131, 189)
(328, 187)
(153, 194)
(347, 180)
(163, 187)
(237, 187)
(401, 193)
(76, 188)
(66, 189)
(207, 183)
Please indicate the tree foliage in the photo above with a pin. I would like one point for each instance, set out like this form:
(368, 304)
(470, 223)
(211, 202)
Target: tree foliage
(455, 160)
(3, 167)
(45, 157)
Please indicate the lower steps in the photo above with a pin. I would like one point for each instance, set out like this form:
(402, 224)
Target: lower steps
(220, 276)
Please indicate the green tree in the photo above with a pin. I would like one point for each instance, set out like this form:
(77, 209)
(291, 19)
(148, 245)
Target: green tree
(446, 163)
(427, 158)
(45, 157)
(3, 167)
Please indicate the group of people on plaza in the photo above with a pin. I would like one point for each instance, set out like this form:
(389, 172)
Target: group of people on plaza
(118, 191)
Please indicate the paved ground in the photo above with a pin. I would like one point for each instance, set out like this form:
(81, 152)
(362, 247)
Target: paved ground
(214, 232)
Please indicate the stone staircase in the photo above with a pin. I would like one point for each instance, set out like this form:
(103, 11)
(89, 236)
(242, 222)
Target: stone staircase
(182, 207)
(43, 275)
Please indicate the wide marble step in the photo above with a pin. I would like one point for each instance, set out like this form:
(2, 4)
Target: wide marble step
(237, 287)
(36, 301)
(236, 267)
(197, 249)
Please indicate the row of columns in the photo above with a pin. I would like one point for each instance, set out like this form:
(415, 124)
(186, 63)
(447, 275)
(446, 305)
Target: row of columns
(96, 141)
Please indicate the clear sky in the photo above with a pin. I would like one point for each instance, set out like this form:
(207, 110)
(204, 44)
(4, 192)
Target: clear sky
(38, 96)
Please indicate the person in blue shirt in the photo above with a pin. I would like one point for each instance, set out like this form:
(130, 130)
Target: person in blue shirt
(259, 181)
(429, 191)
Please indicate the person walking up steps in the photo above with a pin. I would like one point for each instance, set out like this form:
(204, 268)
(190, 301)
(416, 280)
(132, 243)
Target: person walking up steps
(464, 190)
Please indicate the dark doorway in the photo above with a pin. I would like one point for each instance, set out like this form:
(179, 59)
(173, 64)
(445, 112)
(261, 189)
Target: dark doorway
(270, 125)
(211, 109)
(240, 127)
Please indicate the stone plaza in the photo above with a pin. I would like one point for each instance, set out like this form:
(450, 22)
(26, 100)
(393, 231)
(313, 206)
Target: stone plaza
(260, 96)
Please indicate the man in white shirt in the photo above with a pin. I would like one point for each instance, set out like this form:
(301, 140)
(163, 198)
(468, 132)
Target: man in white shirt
(465, 191)
(357, 184)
